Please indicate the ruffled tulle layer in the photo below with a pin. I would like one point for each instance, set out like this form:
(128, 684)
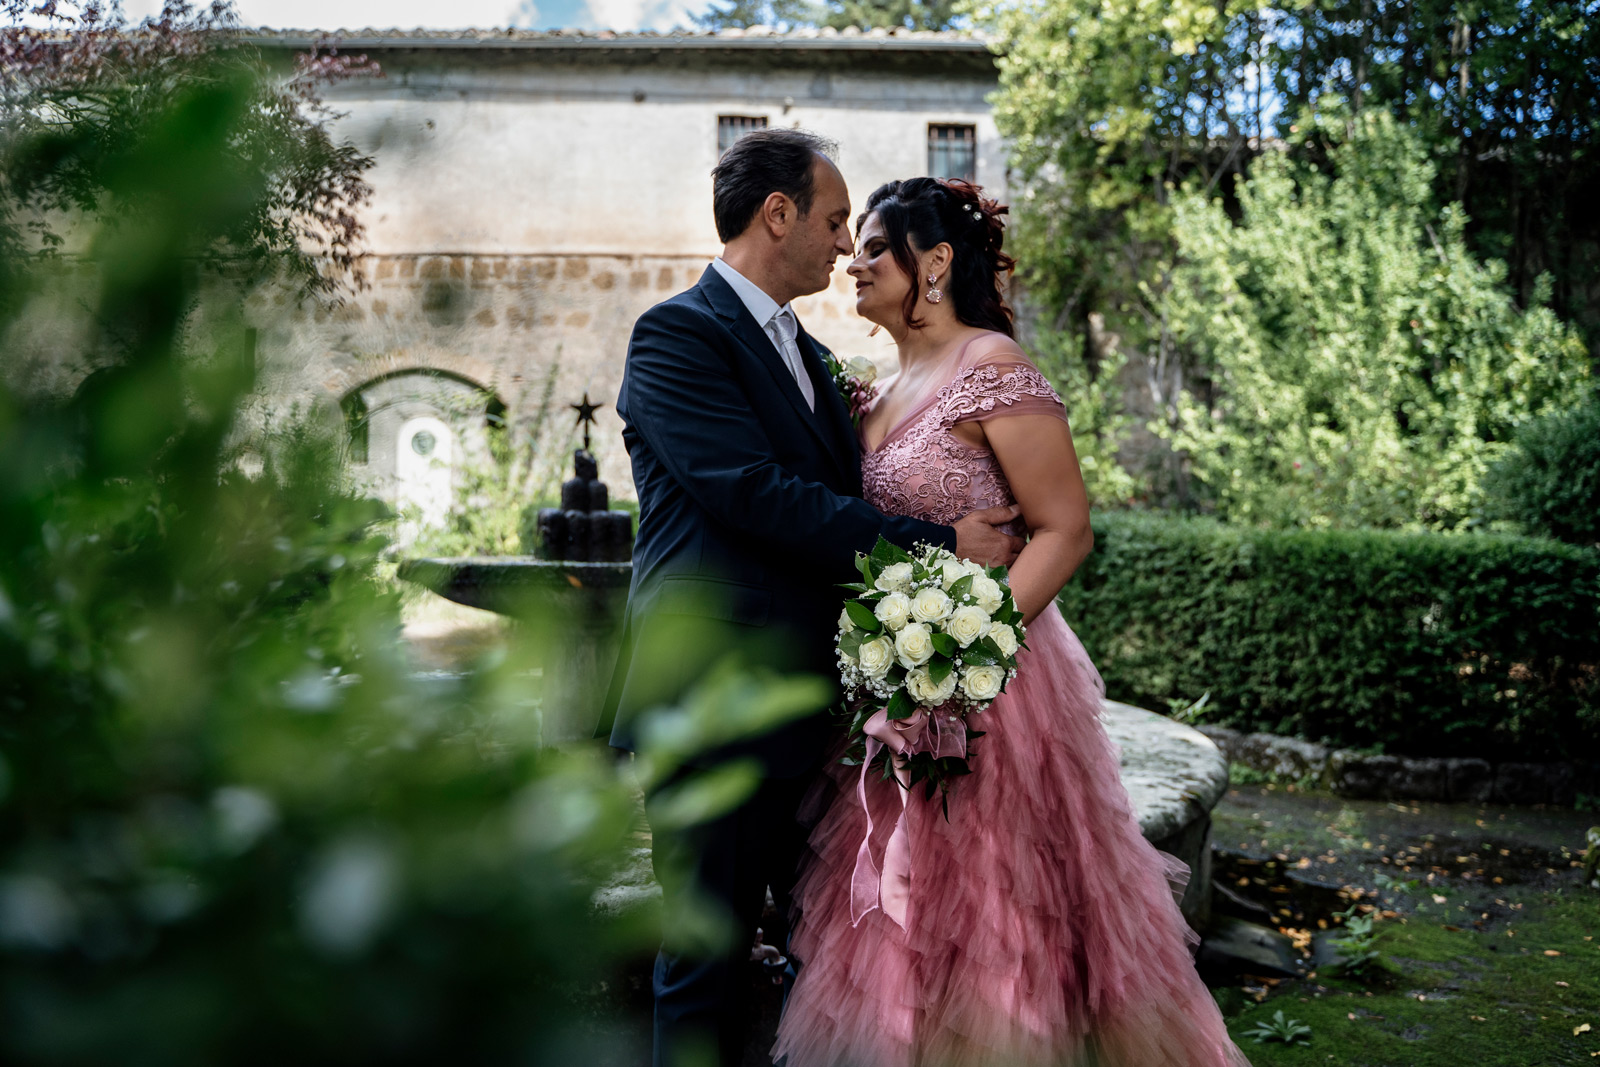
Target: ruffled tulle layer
(1042, 930)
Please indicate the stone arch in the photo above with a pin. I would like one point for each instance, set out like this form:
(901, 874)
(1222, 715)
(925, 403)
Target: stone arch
(346, 373)
(413, 430)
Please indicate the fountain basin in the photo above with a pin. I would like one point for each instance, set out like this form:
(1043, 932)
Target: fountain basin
(521, 585)
(1174, 774)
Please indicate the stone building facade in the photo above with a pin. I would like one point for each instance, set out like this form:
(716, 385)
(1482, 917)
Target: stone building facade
(535, 192)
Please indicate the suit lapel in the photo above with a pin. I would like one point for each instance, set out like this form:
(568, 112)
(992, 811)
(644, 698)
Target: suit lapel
(726, 303)
(831, 409)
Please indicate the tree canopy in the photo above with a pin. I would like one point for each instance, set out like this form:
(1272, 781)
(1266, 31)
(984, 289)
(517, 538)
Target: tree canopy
(1119, 112)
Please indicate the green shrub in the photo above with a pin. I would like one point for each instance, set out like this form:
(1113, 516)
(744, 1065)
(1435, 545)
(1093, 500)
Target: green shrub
(1425, 644)
(1357, 365)
(1550, 482)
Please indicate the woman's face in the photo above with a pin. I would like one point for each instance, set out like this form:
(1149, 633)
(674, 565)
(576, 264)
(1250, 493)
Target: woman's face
(881, 286)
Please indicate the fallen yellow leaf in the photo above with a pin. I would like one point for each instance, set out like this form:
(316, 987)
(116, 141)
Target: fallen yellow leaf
(1551, 952)
(1582, 1029)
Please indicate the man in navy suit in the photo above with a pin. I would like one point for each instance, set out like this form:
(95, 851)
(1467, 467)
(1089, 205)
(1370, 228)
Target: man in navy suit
(750, 512)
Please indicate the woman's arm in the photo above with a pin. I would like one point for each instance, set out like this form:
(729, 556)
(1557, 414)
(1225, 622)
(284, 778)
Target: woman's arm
(1036, 454)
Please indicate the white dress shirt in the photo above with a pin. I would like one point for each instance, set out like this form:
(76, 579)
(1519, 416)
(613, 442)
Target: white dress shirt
(778, 323)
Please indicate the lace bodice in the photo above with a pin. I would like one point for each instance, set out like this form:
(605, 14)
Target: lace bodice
(923, 470)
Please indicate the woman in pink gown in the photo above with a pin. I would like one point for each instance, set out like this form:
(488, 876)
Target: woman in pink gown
(1035, 925)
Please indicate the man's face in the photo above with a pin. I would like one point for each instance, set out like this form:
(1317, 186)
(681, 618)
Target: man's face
(822, 234)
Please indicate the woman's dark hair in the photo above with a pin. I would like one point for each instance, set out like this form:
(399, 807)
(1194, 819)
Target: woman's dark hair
(919, 213)
(756, 166)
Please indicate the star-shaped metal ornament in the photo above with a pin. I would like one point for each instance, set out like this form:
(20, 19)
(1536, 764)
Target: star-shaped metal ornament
(585, 411)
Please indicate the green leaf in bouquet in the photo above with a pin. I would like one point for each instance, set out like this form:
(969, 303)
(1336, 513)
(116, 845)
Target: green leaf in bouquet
(850, 642)
(962, 587)
(990, 646)
(977, 657)
(887, 552)
(954, 766)
(945, 645)
(998, 572)
(854, 587)
(862, 616)
(864, 565)
(901, 706)
(939, 669)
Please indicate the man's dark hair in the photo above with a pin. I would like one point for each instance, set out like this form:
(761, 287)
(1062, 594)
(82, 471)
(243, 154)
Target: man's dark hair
(756, 166)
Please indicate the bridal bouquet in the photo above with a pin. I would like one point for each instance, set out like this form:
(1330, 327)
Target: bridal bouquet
(928, 640)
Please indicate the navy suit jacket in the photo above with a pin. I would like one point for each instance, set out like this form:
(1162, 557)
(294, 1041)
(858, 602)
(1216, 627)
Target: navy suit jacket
(750, 509)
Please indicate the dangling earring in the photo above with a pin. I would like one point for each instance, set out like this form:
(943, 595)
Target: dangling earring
(934, 293)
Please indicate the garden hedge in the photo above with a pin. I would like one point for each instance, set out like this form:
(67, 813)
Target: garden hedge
(1412, 643)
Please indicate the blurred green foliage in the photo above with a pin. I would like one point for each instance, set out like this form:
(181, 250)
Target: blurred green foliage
(89, 97)
(1549, 483)
(1425, 644)
(234, 826)
(1357, 365)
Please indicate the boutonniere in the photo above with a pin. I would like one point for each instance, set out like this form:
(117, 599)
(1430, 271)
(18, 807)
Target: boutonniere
(854, 381)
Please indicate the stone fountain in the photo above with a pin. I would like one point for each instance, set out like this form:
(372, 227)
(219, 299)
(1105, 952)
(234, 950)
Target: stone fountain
(576, 583)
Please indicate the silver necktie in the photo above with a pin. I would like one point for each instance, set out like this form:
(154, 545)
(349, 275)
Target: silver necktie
(783, 330)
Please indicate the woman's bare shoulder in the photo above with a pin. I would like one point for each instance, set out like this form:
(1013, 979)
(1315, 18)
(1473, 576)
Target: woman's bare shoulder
(995, 347)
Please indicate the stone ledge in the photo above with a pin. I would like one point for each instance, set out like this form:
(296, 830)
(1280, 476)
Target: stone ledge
(1174, 776)
(1349, 773)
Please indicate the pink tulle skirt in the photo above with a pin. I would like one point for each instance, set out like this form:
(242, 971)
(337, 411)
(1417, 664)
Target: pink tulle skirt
(1042, 929)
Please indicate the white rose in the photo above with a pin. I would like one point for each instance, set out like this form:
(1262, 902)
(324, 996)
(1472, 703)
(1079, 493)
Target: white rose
(876, 656)
(896, 578)
(982, 683)
(951, 573)
(863, 368)
(845, 624)
(1005, 637)
(914, 644)
(989, 594)
(930, 605)
(919, 684)
(894, 610)
(968, 624)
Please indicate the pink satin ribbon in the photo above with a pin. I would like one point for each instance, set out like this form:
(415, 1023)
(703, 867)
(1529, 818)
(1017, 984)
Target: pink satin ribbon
(939, 732)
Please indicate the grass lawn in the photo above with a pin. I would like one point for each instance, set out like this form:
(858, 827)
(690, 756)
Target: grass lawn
(1490, 943)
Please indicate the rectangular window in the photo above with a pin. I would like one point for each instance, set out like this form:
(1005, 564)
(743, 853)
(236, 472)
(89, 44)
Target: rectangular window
(732, 127)
(953, 151)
